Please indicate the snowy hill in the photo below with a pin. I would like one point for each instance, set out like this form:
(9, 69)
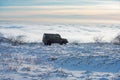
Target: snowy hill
(81, 59)
(60, 62)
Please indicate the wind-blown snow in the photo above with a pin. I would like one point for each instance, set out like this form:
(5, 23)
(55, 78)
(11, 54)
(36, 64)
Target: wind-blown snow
(85, 61)
(73, 32)
(74, 61)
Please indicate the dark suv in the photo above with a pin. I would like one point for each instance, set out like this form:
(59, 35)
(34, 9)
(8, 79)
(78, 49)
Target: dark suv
(48, 39)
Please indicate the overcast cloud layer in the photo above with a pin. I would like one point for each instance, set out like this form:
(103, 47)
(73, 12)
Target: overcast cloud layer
(60, 11)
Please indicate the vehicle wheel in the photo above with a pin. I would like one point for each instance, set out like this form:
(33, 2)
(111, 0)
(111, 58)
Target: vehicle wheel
(61, 43)
(64, 43)
(48, 43)
(45, 43)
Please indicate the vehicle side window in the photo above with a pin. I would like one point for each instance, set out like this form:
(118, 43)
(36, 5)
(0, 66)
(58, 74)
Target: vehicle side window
(57, 36)
(43, 36)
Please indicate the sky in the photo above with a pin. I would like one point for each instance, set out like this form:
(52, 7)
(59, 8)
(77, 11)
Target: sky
(60, 11)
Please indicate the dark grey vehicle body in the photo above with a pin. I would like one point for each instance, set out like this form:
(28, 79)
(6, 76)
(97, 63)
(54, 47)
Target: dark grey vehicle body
(48, 39)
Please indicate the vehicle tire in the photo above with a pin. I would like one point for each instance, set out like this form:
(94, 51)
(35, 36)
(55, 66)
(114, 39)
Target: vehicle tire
(45, 43)
(61, 43)
(48, 43)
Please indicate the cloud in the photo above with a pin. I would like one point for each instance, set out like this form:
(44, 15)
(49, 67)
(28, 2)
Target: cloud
(74, 11)
(55, 2)
(57, 10)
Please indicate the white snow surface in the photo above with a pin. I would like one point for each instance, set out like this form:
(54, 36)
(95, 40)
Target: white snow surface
(81, 59)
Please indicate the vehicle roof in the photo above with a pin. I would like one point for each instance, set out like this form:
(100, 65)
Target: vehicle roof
(50, 34)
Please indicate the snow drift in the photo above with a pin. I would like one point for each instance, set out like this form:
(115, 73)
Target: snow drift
(86, 61)
(78, 60)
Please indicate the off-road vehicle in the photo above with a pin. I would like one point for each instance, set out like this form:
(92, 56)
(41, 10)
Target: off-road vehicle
(48, 39)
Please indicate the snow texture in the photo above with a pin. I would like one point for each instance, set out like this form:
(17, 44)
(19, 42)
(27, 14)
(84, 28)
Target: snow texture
(74, 61)
(85, 61)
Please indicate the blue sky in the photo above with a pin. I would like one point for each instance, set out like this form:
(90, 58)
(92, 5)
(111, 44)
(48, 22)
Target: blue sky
(47, 2)
(60, 11)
